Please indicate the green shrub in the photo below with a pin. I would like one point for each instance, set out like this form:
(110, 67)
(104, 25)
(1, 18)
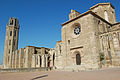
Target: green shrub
(101, 56)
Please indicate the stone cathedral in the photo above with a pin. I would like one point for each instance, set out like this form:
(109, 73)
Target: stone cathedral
(89, 41)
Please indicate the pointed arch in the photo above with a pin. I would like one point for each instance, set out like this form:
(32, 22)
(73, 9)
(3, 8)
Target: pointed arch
(106, 15)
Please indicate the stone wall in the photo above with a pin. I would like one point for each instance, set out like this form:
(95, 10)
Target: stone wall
(85, 44)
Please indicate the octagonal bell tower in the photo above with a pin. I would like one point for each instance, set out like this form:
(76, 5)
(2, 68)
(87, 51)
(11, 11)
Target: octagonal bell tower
(106, 11)
(11, 41)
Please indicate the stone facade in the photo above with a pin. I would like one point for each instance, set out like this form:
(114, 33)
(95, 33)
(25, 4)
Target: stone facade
(89, 41)
(11, 41)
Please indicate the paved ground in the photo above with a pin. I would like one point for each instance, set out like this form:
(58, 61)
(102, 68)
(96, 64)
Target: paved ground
(109, 74)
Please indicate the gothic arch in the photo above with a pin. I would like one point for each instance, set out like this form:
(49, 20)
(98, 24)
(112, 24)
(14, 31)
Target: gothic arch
(106, 15)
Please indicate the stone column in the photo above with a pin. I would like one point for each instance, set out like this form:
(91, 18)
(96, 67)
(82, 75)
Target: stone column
(26, 58)
(21, 58)
(33, 60)
(51, 62)
(46, 61)
(43, 60)
(38, 60)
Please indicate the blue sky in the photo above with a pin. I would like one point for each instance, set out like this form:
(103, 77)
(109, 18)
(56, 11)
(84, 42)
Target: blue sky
(40, 20)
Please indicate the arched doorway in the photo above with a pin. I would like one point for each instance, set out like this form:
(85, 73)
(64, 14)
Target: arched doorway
(78, 59)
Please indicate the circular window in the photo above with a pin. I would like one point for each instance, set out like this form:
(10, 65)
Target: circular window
(75, 30)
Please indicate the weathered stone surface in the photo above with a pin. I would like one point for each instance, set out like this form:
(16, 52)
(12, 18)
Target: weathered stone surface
(89, 41)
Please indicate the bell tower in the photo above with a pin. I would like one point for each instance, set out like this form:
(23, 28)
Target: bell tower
(106, 11)
(11, 41)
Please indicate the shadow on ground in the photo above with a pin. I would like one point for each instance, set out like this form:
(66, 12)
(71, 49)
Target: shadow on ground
(39, 77)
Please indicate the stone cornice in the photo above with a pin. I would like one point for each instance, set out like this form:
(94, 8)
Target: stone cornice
(101, 4)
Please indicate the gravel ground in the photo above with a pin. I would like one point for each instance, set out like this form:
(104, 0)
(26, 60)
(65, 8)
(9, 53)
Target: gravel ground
(107, 74)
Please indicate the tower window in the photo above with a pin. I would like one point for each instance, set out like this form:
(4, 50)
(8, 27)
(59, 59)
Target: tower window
(9, 42)
(14, 42)
(9, 51)
(14, 33)
(11, 22)
(106, 15)
(10, 33)
(8, 59)
(15, 22)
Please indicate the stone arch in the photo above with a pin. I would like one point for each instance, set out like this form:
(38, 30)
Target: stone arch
(74, 25)
(77, 58)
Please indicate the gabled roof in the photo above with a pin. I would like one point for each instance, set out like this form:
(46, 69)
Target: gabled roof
(86, 13)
